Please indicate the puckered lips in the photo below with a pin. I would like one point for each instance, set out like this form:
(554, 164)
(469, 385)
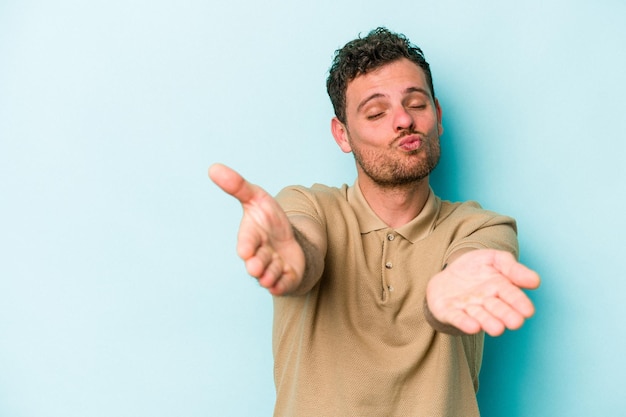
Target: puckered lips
(410, 143)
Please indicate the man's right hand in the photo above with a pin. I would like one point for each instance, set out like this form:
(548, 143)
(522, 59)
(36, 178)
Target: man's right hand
(266, 240)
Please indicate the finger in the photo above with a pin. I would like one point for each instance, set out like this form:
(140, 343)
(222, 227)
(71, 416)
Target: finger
(516, 272)
(511, 318)
(232, 183)
(462, 321)
(278, 278)
(517, 299)
(258, 265)
(248, 240)
(273, 271)
(281, 286)
(488, 322)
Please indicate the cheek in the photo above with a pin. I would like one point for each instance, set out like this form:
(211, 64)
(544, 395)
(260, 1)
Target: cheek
(372, 135)
(428, 122)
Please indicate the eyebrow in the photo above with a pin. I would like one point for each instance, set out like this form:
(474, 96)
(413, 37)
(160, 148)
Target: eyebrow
(378, 95)
(417, 90)
(367, 100)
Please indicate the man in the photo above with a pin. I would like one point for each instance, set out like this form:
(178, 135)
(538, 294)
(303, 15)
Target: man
(382, 292)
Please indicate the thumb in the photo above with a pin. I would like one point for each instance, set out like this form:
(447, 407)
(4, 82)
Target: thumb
(231, 182)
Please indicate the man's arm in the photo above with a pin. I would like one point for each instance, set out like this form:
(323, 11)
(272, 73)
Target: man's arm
(285, 258)
(480, 290)
(314, 249)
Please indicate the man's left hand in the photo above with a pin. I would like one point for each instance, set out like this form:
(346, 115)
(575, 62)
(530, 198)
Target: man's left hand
(482, 290)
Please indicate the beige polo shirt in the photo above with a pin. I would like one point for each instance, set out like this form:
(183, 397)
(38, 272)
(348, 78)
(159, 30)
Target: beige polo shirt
(358, 344)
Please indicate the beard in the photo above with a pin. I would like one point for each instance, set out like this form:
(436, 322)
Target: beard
(390, 170)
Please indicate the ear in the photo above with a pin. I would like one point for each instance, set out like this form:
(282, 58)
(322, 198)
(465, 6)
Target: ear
(439, 114)
(340, 133)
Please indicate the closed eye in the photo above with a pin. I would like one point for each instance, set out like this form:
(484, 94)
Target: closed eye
(375, 116)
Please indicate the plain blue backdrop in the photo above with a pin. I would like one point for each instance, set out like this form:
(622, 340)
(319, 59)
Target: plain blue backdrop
(120, 290)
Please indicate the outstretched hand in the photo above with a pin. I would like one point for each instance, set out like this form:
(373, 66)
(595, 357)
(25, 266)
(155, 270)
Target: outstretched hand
(482, 290)
(266, 239)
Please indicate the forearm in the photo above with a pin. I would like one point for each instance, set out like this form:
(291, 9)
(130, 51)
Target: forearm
(314, 263)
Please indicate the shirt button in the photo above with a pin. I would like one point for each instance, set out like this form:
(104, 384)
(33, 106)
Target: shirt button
(388, 265)
(390, 237)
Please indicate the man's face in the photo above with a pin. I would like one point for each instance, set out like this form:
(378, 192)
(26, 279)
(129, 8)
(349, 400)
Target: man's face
(392, 124)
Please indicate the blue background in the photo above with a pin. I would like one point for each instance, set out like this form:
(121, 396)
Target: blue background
(120, 290)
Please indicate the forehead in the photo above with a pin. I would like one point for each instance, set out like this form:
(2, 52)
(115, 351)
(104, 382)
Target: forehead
(389, 80)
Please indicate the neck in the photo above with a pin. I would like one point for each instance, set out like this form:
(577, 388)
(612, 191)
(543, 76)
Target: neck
(396, 205)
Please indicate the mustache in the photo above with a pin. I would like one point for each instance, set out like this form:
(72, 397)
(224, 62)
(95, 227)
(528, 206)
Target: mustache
(408, 132)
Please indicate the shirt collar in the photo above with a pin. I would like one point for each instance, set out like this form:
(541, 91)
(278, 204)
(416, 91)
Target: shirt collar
(415, 230)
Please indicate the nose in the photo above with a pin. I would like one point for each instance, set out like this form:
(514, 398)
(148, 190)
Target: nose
(403, 120)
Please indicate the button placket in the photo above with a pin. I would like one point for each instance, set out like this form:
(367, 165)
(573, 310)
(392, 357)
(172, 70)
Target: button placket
(387, 265)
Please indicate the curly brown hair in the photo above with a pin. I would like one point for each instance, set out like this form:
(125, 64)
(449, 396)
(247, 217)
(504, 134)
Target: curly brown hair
(362, 55)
